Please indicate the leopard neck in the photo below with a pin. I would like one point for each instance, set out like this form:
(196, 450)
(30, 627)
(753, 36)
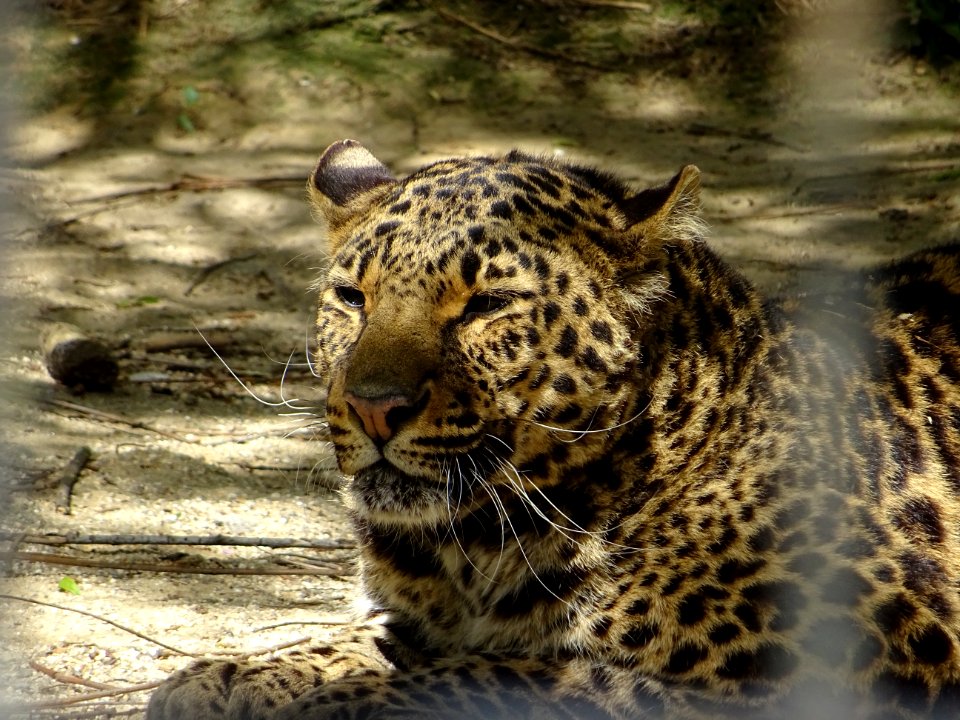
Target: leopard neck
(703, 371)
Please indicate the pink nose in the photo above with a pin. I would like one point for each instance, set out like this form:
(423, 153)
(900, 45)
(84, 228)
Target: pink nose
(373, 413)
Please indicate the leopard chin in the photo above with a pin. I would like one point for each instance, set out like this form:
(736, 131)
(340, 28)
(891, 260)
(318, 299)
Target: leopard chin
(385, 494)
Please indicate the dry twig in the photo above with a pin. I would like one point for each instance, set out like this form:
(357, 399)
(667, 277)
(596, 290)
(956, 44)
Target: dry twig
(799, 212)
(91, 711)
(121, 539)
(110, 417)
(68, 679)
(619, 4)
(513, 43)
(76, 699)
(207, 271)
(264, 651)
(68, 478)
(199, 183)
(177, 340)
(71, 561)
(320, 620)
(117, 625)
(187, 183)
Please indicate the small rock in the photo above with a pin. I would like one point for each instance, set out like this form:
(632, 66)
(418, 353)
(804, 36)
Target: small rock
(77, 361)
(895, 214)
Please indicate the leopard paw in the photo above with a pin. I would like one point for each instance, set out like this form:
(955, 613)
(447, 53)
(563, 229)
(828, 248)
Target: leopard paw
(224, 690)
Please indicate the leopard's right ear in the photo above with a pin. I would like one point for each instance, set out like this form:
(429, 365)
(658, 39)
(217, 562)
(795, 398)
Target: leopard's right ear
(346, 181)
(667, 213)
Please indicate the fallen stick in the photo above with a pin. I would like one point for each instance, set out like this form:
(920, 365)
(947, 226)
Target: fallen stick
(110, 417)
(513, 43)
(117, 625)
(180, 339)
(55, 559)
(68, 679)
(619, 4)
(198, 183)
(68, 478)
(112, 539)
(91, 711)
(206, 272)
(77, 699)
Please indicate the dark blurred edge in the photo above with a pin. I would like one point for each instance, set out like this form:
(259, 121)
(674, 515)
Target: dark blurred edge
(8, 108)
(8, 111)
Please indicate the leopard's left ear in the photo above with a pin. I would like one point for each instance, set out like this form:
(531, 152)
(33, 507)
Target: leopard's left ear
(668, 212)
(347, 180)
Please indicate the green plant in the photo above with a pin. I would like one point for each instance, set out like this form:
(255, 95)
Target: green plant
(189, 97)
(69, 585)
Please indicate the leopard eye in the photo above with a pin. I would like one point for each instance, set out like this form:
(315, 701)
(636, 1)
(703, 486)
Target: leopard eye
(484, 304)
(350, 296)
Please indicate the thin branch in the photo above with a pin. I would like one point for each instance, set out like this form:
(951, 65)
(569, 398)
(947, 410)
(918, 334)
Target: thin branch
(800, 212)
(117, 625)
(187, 183)
(511, 42)
(619, 4)
(68, 560)
(176, 340)
(751, 135)
(266, 650)
(108, 691)
(207, 271)
(76, 699)
(232, 540)
(68, 478)
(329, 620)
(313, 432)
(212, 368)
(133, 425)
(914, 166)
(93, 711)
(110, 417)
(68, 679)
(286, 469)
(199, 183)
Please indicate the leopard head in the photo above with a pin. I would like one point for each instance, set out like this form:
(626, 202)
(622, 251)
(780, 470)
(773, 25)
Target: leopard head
(476, 323)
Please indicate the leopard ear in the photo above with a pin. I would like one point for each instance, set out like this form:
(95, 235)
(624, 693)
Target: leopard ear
(346, 181)
(667, 213)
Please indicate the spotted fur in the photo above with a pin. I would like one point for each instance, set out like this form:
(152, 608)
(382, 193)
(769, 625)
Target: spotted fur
(595, 475)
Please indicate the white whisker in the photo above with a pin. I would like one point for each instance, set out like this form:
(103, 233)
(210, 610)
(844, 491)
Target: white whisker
(501, 516)
(488, 488)
(283, 402)
(283, 379)
(306, 354)
(506, 517)
(521, 492)
(581, 433)
(453, 524)
(518, 486)
(502, 442)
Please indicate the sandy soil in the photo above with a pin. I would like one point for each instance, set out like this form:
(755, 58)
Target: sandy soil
(171, 203)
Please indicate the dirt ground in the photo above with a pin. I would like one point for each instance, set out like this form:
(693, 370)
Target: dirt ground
(155, 177)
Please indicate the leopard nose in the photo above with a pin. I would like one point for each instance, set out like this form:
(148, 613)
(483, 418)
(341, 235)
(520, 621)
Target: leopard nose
(379, 415)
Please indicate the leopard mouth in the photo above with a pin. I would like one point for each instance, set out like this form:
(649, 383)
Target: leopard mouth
(382, 489)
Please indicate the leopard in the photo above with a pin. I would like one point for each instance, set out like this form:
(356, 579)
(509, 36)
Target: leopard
(595, 473)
